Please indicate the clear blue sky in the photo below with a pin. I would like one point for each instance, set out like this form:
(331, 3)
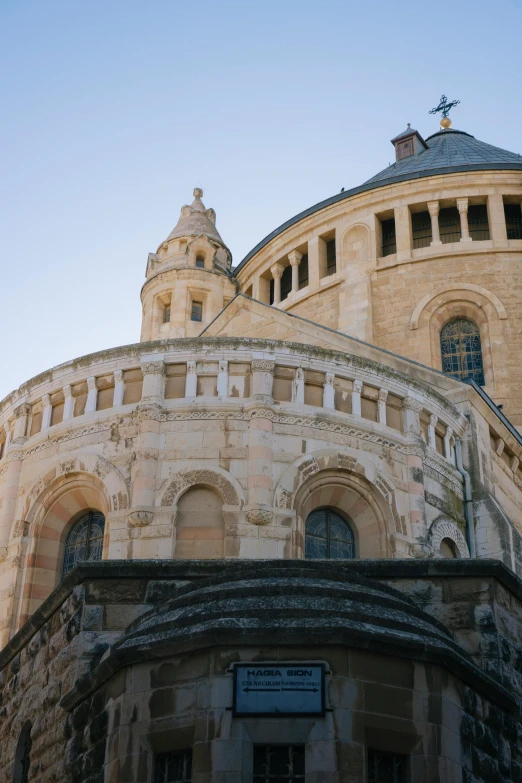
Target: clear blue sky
(113, 110)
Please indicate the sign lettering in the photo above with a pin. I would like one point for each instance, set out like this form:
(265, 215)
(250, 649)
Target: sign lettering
(279, 689)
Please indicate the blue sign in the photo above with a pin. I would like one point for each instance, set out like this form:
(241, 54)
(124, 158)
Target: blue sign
(279, 688)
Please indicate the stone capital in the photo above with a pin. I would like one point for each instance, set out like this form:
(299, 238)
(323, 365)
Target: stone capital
(259, 516)
(433, 208)
(223, 366)
(91, 383)
(433, 420)
(118, 376)
(262, 365)
(462, 204)
(329, 379)
(153, 368)
(23, 410)
(411, 404)
(67, 391)
(295, 257)
(357, 386)
(277, 271)
(383, 395)
(46, 399)
(191, 367)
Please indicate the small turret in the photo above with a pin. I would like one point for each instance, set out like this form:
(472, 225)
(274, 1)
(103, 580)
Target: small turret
(188, 278)
(407, 143)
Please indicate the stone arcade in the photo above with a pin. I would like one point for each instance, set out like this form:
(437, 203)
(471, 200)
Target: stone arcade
(311, 463)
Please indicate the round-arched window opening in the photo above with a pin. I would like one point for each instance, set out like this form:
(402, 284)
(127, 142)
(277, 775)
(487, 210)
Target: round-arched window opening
(200, 262)
(22, 760)
(328, 535)
(85, 541)
(461, 351)
(449, 549)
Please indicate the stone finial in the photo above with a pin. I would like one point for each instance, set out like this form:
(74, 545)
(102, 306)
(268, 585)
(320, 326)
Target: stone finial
(198, 193)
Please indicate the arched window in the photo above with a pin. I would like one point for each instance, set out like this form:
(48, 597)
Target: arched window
(461, 351)
(449, 549)
(23, 755)
(85, 541)
(328, 535)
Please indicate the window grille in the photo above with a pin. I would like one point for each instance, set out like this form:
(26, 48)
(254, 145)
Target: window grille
(173, 767)
(513, 216)
(331, 258)
(328, 535)
(279, 764)
(478, 222)
(449, 225)
(421, 229)
(461, 351)
(389, 240)
(386, 767)
(85, 541)
(197, 311)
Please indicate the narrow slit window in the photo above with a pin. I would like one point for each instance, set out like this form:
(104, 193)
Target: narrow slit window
(303, 272)
(196, 311)
(389, 239)
(331, 258)
(166, 314)
(200, 262)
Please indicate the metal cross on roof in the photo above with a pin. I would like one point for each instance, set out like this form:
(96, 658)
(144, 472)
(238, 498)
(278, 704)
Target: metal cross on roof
(444, 106)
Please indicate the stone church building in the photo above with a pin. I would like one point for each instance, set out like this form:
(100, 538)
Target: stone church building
(279, 540)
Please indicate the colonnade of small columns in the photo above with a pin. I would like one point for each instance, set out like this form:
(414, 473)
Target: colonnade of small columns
(404, 239)
(262, 378)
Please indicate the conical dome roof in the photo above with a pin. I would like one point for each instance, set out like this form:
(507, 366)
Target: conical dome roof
(196, 219)
(448, 151)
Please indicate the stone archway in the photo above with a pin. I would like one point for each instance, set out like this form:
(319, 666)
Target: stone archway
(444, 528)
(339, 481)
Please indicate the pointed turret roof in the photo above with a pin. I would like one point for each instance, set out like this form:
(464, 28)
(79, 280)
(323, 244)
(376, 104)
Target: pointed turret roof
(196, 219)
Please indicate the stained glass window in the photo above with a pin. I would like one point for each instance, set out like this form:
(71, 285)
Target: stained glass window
(173, 767)
(328, 535)
(461, 351)
(279, 764)
(85, 541)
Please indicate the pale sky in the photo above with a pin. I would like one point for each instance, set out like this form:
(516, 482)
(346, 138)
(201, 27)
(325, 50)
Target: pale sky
(114, 110)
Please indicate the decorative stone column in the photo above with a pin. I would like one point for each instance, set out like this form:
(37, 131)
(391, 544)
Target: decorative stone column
(462, 205)
(381, 409)
(222, 379)
(262, 379)
(447, 444)
(433, 209)
(295, 259)
(497, 220)
(12, 481)
(7, 430)
(68, 403)
(356, 398)
(432, 443)
(47, 411)
(22, 414)
(191, 381)
(143, 482)
(260, 457)
(299, 386)
(119, 388)
(153, 381)
(411, 409)
(92, 395)
(329, 391)
(411, 417)
(277, 272)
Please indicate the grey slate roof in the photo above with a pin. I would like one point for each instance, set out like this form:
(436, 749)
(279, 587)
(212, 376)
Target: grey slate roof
(448, 149)
(449, 152)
